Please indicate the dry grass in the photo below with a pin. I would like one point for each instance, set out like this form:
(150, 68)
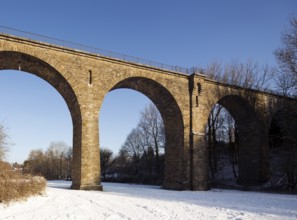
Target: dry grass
(15, 186)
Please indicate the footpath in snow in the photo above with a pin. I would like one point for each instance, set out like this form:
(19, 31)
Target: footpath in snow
(126, 201)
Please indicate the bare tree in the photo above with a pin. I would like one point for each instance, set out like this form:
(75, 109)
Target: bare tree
(248, 75)
(56, 154)
(212, 129)
(283, 129)
(105, 161)
(35, 164)
(54, 163)
(132, 149)
(222, 146)
(152, 128)
(287, 60)
(144, 147)
(3, 142)
(287, 54)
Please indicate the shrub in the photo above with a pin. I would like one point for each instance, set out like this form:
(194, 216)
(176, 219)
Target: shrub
(15, 186)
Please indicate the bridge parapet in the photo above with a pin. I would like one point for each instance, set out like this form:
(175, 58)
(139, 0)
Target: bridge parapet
(11, 32)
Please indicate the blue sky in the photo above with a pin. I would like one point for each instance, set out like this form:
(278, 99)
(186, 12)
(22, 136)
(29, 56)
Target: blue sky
(185, 33)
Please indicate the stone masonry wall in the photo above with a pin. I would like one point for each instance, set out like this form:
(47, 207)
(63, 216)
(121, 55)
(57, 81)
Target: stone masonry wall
(184, 102)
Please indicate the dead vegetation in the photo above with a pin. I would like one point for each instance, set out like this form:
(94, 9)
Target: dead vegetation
(15, 186)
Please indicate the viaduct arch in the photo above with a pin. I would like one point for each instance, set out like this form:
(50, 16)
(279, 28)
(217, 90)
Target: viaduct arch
(173, 123)
(184, 101)
(251, 141)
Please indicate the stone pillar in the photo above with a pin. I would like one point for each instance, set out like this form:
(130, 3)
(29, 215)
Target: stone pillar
(252, 164)
(86, 153)
(173, 166)
(199, 178)
(199, 168)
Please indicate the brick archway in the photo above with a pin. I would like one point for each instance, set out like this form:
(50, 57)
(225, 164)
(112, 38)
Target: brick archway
(173, 123)
(252, 138)
(10, 60)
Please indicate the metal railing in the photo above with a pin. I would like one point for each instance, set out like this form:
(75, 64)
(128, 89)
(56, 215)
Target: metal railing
(7, 31)
(84, 48)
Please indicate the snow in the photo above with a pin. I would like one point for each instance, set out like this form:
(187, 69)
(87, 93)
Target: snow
(129, 201)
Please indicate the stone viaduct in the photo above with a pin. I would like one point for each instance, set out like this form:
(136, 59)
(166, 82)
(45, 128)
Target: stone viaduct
(184, 101)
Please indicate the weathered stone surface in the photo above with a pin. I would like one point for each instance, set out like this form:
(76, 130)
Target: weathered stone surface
(184, 102)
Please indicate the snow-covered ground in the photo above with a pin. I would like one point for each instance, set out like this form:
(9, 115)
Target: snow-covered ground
(126, 201)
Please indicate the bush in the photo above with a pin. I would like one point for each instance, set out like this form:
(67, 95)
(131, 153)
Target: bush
(15, 186)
